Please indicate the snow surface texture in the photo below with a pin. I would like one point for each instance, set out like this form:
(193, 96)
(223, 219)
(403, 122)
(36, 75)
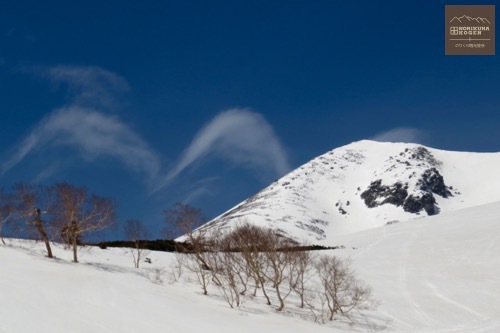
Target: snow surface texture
(367, 184)
(435, 274)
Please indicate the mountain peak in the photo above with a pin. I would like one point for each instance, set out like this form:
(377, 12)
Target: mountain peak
(367, 184)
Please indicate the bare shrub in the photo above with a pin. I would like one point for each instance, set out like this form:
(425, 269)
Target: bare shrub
(176, 269)
(341, 292)
(185, 219)
(267, 258)
(250, 241)
(201, 270)
(301, 271)
(317, 305)
(229, 271)
(279, 254)
(156, 275)
(136, 232)
(327, 285)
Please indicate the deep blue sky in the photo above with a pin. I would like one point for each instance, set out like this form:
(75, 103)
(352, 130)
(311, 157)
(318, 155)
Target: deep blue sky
(131, 98)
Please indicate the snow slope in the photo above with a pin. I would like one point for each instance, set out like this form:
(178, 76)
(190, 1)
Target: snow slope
(324, 197)
(434, 274)
(103, 294)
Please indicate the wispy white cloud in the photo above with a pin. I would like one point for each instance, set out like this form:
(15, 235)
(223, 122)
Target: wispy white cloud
(239, 135)
(402, 134)
(48, 171)
(84, 126)
(195, 194)
(200, 188)
(89, 85)
(92, 134)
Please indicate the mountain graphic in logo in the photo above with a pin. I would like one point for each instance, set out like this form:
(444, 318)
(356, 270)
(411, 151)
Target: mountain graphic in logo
(467, 19)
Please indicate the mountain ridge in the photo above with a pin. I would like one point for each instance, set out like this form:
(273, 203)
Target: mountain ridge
(364, 185)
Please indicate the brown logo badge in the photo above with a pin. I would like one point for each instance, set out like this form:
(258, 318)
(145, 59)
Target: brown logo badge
(469, 30)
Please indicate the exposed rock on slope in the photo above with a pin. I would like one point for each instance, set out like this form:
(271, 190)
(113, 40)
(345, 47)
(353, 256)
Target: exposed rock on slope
(431, 182)
(394, 195)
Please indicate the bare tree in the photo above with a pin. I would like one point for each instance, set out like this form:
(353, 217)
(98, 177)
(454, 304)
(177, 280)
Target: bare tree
(78, 212)
(6, 210)
(341, 290)
(184, 219)
(236, 262)
(136, 232)
(250, 252)
(250, 240)
(301, 271)
(197, 263)
(267, 257)
(240, 270)
(228, 269)
(259, 253)
(225, 269)
(279, 254)
(32, 203)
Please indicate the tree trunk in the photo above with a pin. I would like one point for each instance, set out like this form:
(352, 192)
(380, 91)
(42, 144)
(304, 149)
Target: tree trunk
(280, 299)
(1, 237)
(43, 234)
(138, 249)
(264, 290)
(75, 248)
(302, 287)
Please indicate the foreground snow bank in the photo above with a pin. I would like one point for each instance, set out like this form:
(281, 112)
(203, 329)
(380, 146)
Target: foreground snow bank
(435, 274)
(104, 293)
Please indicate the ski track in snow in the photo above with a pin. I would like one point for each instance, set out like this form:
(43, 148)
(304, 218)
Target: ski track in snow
(435, 274)
(420, 314)
(457, 304)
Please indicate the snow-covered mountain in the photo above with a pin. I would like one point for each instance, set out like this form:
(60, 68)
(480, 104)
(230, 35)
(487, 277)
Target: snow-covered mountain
(437, 274)
(367, 184)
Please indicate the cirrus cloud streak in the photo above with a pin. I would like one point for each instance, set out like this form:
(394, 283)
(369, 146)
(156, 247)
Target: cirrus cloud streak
(241, 136)
(92, 133)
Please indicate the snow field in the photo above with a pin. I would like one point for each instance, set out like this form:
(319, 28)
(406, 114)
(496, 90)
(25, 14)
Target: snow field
(433, 274)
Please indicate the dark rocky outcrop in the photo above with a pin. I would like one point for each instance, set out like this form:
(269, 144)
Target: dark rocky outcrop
(394, 194)
(420, 154)
(414, 204)
(432, 181)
